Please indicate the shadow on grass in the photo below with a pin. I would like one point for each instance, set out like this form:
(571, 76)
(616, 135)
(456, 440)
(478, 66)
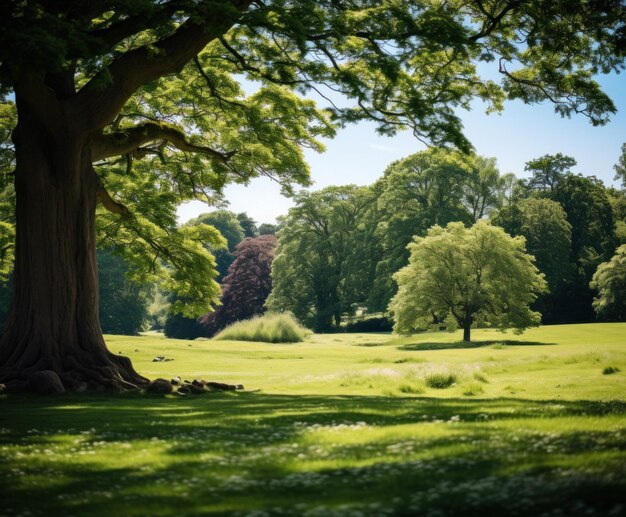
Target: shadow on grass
(470, 344)
(234, 453)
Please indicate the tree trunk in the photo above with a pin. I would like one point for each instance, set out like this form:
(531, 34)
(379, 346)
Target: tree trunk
(466, 332)
(53, 321)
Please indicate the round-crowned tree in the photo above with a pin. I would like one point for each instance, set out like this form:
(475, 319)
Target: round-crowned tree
(458, 277)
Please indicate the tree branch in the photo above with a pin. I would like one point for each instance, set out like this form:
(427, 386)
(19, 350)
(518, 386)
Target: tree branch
(494, 19)
(98, 104)
(125, 28)
(129, 141)
(109, 203)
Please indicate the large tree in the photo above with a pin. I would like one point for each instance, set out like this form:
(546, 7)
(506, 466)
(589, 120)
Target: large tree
(543, 223)
(320, 270)
(414, 193)
(458, 277)
(155, 84)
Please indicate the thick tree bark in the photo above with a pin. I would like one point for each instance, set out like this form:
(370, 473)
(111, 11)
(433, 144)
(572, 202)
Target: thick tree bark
(53, 321)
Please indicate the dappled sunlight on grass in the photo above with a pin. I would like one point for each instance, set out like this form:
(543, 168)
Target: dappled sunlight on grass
(233, 452)
(329, 428)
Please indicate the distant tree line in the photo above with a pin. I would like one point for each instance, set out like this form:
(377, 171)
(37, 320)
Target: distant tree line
(339, 248)
(335, 255)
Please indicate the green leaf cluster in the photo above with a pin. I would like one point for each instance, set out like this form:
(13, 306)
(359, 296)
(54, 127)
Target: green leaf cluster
(610, 282)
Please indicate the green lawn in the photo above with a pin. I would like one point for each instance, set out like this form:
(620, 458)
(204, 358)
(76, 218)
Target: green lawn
(345, 425)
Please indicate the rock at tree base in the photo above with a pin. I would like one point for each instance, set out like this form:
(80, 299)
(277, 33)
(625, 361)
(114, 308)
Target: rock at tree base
(184, 390)
(198, 390)
(46, 382)
(222, 386)
(161, 386)
(180, 386)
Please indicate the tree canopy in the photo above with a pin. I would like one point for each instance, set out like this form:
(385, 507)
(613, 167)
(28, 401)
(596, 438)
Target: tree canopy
(320, 269)
(436, 186)
(543, 223)
(458, 277)
(548, 170)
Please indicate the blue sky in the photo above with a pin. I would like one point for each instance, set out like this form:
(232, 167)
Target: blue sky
(357, 155)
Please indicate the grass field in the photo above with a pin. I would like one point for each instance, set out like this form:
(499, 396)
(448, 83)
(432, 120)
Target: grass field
(347, 425)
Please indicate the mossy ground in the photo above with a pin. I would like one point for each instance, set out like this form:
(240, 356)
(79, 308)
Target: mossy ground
(337, 425)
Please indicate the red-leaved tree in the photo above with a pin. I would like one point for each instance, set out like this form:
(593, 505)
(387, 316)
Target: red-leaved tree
(247, 284)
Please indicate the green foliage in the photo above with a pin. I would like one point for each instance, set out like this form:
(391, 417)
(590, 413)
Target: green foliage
(8, 119)
(586, 203)
(548, 170)
(413, 194)
(436, 186)
(268, 229)
(543, 223)
(404, 65)
(248, 225)
(269, 328)
(226, 222)
(610, 370)
(461, 276)
(123, 302)
(229, 226)
(484, 189)
(158, 310)
(7, 250)
(320, 269)
(610, 282)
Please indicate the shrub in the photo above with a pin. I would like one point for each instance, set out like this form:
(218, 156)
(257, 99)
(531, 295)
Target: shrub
(374, 324)
(440, 380)
(610, 369)
(270, 328)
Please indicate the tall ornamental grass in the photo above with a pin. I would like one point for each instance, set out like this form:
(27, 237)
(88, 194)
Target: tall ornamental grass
(269, 328)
